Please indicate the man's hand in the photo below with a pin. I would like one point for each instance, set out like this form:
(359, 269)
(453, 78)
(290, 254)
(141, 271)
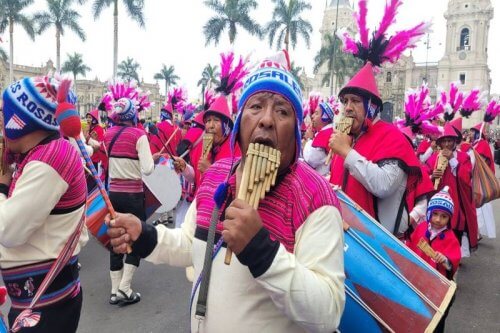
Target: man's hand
(241, 224)
(447, 153)
(437, 173)
(179, 164)
(156, 157)
(340, 144)
(203, 165)
(123, 230)
(434, 145)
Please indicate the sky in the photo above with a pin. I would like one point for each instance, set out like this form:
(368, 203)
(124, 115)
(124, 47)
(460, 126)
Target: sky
(173, 35)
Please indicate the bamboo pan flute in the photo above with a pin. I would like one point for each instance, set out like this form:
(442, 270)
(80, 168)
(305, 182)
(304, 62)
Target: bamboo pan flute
(442, 163)
(3, 163)
(208, 141)
(428, 250)
(259, 175)
(343, 126)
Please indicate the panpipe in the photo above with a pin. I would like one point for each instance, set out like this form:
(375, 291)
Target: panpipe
(208, 141)
(259, 175)
(441, 164)
(428, 250)
(344, 125)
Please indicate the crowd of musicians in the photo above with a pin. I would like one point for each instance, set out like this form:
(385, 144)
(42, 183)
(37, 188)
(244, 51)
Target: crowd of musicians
(259, 225)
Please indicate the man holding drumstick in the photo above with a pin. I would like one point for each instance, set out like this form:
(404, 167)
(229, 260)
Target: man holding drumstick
(280, 280)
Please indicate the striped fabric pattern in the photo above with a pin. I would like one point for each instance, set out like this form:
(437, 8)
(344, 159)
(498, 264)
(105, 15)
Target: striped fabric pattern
(125, 145)
(126, 185)
(298, 194)
(63, 158)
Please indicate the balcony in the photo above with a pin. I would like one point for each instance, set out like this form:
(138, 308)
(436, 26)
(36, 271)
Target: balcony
(463, 48)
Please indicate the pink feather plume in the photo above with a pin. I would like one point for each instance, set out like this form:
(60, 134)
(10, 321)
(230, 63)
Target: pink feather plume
(231, 77)
(361, 20)
(63, 90)
(492, 111)
(314, 99)
(472, 103)
(209, 98)
(389, 17)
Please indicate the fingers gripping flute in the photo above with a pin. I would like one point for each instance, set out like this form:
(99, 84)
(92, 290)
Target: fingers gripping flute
(441, 164)
(208, 141)
(343, 126)
(259, 175)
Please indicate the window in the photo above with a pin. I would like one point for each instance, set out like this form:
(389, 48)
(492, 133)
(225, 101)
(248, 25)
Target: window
(464, 39)
(388, 78)
(462, 78)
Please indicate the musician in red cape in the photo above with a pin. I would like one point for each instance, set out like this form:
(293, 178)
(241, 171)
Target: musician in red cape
(438, 234)
(375, 165)
(41, 206)
(481, 145)
(458, 177)
(167, 130)
(218, 121)
(280, 279)
(316, 150)
(129, 158)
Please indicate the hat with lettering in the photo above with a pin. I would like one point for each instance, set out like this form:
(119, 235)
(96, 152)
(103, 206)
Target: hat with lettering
(29, 105)
(273, 75)
(441, 201)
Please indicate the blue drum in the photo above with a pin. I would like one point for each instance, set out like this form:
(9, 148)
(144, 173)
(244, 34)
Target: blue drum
(388, 287)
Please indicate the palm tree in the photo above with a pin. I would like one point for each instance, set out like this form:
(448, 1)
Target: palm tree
(75, 65)
(295, 70)
(135, 11)
(59, 15)
(127, 69)
(339, 64)
(286, 23)
(230, 15)
(208, 77)
(3, 55)
(10, 14)
(168, 75)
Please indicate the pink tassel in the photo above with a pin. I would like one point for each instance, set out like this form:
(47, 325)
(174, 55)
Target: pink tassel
(389, 17)
(361, 19)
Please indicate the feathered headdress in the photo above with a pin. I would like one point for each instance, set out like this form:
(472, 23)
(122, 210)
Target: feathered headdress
(209, 99)
(473, 101)
(143, 102)
(492, 111)
(453, 103)
(313, 103)
(419, 112)
(231, 76)
(116, 90)
(175, 97)
(380, 48)
(334, 104)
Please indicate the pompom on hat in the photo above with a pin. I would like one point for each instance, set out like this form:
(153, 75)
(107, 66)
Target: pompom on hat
(30, 105)
(441, 201)
(273, 75)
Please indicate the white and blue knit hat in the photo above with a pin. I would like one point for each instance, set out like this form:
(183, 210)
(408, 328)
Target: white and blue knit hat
(327, 112)
(441, 201)
(124, 109)
(29, 105)
(273, 75)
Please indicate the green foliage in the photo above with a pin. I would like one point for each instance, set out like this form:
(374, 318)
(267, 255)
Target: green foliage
(127, 69)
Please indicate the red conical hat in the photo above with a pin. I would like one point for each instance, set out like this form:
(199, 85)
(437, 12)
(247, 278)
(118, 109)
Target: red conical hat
(457, 124)
(407, 131)
(199, 119)
(94, 114)
(168, 108)
(220, 107)
(478, 127)
(451, 131)
(363, 83)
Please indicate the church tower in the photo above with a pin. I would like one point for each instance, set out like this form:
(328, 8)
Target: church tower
(466, 53)
(345, 19)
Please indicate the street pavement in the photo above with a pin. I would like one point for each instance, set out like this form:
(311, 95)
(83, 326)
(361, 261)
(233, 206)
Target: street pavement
(165, 294)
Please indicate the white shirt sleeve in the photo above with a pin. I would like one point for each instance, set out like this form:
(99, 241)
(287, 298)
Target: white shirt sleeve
(88, 148)
(145, 157)
(425, 156)
(188, 173)
(453, 162)
(419, 211)
(308, 284)
(37, 192)
(175, 246)
(381, 181)
(315, 157)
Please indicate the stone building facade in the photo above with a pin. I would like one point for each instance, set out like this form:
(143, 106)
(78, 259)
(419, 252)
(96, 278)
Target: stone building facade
(464, 60)
(89, 91)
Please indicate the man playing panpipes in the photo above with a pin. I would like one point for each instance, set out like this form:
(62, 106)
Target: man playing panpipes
(41, 207)
(288, 273)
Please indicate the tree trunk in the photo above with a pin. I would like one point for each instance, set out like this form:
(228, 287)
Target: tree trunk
(77, 99)
(331, 82)
(115, 39)
(287, 40)
(11, 56)
(166, 88)
(58, 50)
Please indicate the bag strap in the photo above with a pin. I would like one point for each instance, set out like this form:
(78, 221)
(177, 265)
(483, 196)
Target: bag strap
(27, 318)
(112, 143)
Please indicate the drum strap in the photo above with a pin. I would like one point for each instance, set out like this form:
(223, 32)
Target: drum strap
(400, 214)
(112, 143)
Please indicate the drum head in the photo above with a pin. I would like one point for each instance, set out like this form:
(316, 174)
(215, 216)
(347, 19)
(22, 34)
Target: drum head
(165, 184)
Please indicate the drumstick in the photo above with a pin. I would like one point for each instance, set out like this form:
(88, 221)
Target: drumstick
(70, 125)
(169, 139)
